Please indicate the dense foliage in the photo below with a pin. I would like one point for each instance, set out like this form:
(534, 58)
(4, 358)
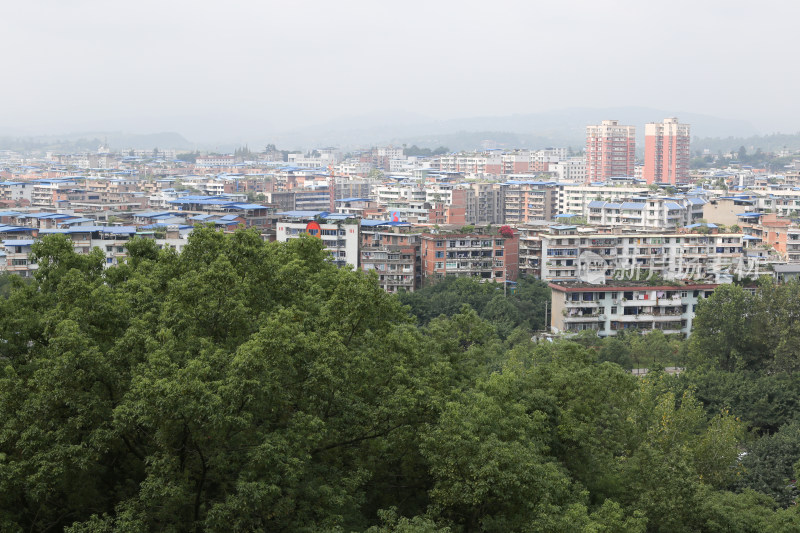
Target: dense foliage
(251, 386)
(523, 306)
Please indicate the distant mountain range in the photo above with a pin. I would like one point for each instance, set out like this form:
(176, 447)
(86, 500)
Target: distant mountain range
(91, 141)
(565, 127)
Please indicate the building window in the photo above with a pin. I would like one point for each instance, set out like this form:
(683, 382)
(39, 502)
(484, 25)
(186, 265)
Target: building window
(498, 253)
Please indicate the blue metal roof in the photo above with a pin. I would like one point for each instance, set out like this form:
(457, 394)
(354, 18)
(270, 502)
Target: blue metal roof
(673, 205)
(15, 229)
(20, 242)
(303, 214)
(354, 200)
(247, 206)
(632, 205)
(596, 203)
(67, 231)
(158, 225)
(119, 230)
(153, 214)
(76, 221)
(702, 225)
(372, 223)
(529, 182)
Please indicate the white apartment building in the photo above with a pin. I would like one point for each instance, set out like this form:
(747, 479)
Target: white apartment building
(647, 212)
(213, 161)
(302, 161)
(156, 153)
(472, 163)
(111, 240)
(341, 240)
(388, 152)
(549, 155)
(45, 192)
(572, 169)
(575, 198)
(600, 258)
(411, 192)
(625, 306)
(352, 168)
(440, 193)
(16, 190)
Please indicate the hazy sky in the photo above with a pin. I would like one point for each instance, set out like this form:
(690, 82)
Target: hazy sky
(199, 66)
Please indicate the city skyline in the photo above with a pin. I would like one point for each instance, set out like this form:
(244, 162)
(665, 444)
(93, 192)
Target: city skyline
(267, 68)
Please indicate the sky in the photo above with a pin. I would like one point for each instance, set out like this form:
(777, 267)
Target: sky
(209, 68)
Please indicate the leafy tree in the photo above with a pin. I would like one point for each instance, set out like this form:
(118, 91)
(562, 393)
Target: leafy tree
(616, 351)
(250, 386)
(768, 464)
(424, 152)
(527, 302)
(189, 157)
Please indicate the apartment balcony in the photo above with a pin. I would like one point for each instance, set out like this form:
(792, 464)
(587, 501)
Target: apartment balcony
(641, 317)
(584, 318)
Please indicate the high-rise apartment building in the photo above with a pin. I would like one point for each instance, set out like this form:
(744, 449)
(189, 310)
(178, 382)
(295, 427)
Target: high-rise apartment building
(666, 152)
(610, 151)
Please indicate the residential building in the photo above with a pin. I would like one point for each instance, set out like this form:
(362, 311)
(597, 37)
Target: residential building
(526, 201)
(576, 198)
(491, 257)
(569, 255)
(392, 250)
(16, 191)
(16, 257)
(571, 169)
(317, 199)
(666, 152)
(647, 212)
(610, 151)
(530, 248)
(625, 306)
(215, 161)
(339, 233)
(484, 204)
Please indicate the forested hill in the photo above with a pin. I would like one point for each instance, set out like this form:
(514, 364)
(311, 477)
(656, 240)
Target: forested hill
(250, 386)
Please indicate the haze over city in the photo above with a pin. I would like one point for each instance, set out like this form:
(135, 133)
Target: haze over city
(247, 71)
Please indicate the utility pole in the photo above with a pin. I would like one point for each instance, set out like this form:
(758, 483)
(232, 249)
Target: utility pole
(546, 303)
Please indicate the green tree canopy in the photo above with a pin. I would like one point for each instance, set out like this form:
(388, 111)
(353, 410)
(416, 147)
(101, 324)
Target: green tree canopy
(250, 386)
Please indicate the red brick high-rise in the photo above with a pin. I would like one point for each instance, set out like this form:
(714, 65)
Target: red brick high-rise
(610, 151)
(666, 152)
